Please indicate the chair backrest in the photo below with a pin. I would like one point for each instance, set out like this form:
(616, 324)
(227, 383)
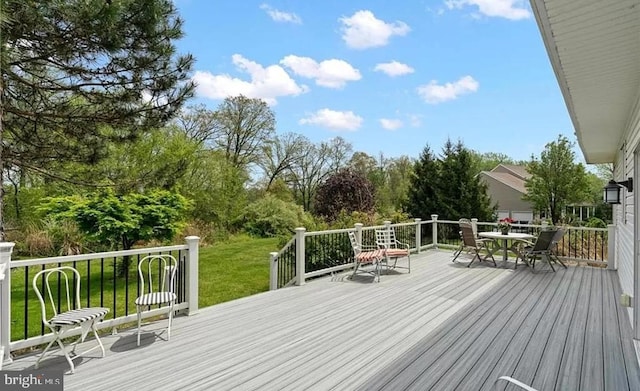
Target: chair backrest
(544, 242)
(357, 249)
(164, 266)
(468, 222)
(559, 235)
(67, 291)
(467, 235)
(385, 238)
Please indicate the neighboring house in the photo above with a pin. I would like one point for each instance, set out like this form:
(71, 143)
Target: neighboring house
(594, 48)
(505, 186)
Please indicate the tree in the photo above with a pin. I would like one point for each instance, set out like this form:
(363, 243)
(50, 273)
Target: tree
(556, 180)
(198, 123)
(121, 221)
(78, 73)
(345, 191)
(243, 126)
(309, 171)
(461, 187)
(423, 197)
(281, 155)
(489, 160)
(340, 152)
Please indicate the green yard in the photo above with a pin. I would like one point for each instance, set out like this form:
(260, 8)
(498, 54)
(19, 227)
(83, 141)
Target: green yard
(228, 270)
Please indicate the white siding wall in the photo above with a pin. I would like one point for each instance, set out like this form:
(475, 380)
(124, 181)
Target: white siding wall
(624, 213)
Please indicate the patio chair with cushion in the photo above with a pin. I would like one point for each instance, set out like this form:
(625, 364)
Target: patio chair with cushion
(393, 249)
(162, 292)
(470, 242)
(363, 255)
(66, 291)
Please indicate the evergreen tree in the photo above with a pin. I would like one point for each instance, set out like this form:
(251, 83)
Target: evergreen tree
(78, 73)
(459, 184)
(423, 198)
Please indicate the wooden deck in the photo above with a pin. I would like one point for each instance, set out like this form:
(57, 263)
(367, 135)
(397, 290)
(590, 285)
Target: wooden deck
(442, 327)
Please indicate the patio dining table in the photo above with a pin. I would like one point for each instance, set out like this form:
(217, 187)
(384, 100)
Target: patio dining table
(498, 236)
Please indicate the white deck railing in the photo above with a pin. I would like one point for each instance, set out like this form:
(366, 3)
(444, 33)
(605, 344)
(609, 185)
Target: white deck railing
(187, 287)
(312, 254)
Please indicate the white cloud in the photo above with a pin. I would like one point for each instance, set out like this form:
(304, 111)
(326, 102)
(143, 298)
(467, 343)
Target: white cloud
(281, 16)
(435, 93)
(391, 124)
(363, 30)
(328, 73)
(335, 120)
(266, 83)
(509, 9)
(394, 68)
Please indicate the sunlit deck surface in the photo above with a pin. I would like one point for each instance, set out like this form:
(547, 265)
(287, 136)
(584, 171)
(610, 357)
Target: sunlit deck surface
(442, 327)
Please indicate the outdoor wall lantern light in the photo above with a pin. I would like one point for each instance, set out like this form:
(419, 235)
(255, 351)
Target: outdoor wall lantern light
(612, 190)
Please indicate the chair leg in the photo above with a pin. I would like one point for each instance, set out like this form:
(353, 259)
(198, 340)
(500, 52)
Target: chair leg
(355, 269)
(95, 334)
(66, 355)
(456, 254)
(44, 352)
(170, 321)
(139, 322)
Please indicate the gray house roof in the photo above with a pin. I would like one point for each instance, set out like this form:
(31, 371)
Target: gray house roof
(510, 175)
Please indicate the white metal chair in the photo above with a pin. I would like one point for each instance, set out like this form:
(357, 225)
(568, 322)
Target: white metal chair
(515, 382)
(165, 267)
(393, 249)
(75, 316)
(363, 255)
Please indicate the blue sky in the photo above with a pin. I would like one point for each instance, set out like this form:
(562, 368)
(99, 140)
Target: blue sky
(387, 76)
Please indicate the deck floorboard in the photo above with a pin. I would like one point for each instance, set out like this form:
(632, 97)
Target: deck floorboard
(442, 327)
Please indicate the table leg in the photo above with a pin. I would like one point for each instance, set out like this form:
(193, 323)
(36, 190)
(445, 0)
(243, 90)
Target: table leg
(504, 250)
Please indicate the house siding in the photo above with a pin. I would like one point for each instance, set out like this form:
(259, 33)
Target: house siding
(624, 213)
(506, 197)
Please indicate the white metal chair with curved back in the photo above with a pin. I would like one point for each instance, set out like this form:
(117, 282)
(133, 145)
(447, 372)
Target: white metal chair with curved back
(61, 324)
(161, 293)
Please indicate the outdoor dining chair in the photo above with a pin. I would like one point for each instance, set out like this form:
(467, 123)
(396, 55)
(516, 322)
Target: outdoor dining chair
(363, 255)
(541, 248)
(158, 293)
(470, 242)
(65, 295)
(393, 248)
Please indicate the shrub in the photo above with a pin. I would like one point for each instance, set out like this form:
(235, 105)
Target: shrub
(270, 217)
(595, 222)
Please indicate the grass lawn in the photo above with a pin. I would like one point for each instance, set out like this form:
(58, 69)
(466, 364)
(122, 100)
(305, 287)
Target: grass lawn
(236, 268)
(228, 270)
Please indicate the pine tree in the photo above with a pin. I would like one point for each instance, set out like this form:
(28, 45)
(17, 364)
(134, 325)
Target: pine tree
(79, 73)
(465, 193)
(423, 199)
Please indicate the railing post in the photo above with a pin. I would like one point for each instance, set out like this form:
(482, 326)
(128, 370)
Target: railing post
(435, 230)
(273, 271)
(193, 243)
(6, 248)
(358, 232)
(300, 260)
(418, 234)
(611, 248)
(474, 226)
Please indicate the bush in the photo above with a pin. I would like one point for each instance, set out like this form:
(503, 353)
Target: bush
(595, 222)
(270, 217)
